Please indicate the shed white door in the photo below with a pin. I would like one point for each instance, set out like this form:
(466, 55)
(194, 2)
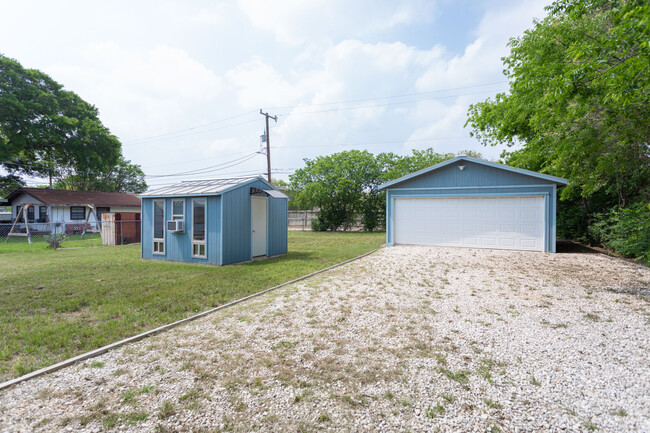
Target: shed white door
(258, 226)
(511, 223)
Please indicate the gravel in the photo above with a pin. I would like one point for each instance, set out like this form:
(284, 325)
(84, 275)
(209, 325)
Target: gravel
(407, 339)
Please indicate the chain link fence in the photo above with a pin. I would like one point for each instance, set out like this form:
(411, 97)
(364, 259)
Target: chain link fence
(34, 236)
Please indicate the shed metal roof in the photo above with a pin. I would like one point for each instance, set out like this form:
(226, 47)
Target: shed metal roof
(553, 179)
(203, 187)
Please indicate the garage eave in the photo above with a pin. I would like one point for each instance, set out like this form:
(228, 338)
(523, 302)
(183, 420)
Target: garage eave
(554, 179)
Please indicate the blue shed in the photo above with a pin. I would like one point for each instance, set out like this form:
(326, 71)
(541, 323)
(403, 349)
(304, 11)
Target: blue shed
(218, 222)
(469, 202)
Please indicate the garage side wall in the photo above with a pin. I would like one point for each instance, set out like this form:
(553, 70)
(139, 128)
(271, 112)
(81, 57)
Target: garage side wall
(475, 180)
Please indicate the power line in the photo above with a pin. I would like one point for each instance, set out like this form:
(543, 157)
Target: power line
(192, 127)
(203, 170)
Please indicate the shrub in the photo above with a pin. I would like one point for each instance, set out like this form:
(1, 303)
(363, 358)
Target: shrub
(318, 226)
(55, 240)
(625, 231)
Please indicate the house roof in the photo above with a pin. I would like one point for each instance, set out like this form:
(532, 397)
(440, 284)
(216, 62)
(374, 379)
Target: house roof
(553, 179)
(65, 197)
(206, 187)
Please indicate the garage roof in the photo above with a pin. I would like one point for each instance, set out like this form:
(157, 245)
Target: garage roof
(553, 179)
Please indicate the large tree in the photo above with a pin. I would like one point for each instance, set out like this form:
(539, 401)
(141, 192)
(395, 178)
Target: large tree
(46, 130)
(578, 102)
(122, 177)
(344, 185)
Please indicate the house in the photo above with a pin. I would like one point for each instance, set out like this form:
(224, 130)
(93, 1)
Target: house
(469, 202)
(44, 206)
(216, 222)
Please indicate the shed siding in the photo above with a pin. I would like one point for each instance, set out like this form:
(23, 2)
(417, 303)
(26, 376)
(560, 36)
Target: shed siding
(277, 221)
(178, 246)
(475, 180)
(237, 224)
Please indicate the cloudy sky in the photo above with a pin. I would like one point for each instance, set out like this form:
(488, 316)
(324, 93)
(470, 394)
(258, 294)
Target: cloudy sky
(181, 83)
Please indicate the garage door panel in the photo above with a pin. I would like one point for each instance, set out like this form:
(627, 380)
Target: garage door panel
(492, 222)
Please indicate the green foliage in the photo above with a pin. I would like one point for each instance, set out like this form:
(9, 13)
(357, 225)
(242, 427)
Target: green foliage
(122, 177)
(344, 185)
(579, 104)
(625, 231)
(48, 131)
(55, 240)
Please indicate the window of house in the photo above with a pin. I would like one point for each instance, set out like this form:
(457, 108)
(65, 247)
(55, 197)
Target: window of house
(18, 212)
(42, 214)
(178, 210)
(159, 226)
(198, 228)
(77, 213)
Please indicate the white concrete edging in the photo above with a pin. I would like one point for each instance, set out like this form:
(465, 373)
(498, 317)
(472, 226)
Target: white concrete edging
(101, 350)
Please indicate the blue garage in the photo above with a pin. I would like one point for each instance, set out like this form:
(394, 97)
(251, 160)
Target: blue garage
(216, 222)
(469, 202)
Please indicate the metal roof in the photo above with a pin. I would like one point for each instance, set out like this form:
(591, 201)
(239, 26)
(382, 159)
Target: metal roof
(201, 187)
(548, 177)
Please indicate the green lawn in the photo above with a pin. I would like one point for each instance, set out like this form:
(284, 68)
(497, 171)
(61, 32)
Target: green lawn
(21, 245)
(58, 304)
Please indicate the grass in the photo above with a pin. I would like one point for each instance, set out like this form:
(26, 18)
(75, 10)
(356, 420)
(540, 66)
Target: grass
(38, 245)
(58, 304)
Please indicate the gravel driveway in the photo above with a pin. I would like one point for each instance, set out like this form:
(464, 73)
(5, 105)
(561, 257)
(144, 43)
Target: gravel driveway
(406, 339)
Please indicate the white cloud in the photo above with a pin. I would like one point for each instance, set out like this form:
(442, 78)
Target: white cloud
(295, 21)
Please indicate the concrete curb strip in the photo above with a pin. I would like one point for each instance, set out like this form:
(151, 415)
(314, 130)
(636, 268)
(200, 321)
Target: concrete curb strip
(101, 350)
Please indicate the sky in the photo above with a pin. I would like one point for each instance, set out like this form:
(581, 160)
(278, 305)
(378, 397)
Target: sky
(181, 84)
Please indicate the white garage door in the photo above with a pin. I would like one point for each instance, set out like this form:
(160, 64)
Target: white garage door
(512, 223)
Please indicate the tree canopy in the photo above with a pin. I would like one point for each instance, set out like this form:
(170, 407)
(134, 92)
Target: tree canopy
(343, 185)
(46, 130)
(578, 107)
(578, 99)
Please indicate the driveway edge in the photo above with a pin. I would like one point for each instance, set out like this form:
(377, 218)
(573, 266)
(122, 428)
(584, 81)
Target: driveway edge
(104, 349)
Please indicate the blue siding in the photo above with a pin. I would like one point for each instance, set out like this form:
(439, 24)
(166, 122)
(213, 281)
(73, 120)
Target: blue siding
(476, 180)
(277, 222)
(473, 175)
(228, 227)
(178, 246)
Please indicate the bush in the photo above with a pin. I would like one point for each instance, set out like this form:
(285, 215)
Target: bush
(55, 241)
(625, 231)
(318, 226)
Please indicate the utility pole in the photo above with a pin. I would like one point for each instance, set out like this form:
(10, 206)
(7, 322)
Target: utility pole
(268, 143)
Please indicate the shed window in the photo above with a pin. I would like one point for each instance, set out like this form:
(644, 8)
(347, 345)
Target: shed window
(178, 210)
(77, 213)
(198, 228)
(159, 226)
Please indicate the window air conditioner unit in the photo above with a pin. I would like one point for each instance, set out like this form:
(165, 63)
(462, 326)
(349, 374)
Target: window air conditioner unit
(176, 226)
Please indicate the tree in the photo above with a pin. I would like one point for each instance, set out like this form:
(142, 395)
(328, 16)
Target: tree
(344, 185)
(578, 99)
(579, 106)
(123, 177)
(48, 131)
(336, 184)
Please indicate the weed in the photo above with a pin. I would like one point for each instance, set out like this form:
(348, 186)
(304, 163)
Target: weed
(460, 376)
(590, 426)
(97, 364)
(535, 381)
(432, 412)
(620, 412)
(592, 316)
(448, 398)
(492, 404)
(166, 410)
(323, 417)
